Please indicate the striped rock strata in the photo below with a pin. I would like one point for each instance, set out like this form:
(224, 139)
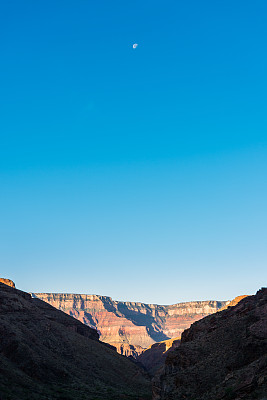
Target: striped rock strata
(127, 324)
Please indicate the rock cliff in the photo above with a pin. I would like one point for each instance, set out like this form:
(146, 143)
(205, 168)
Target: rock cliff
(129, 323)
(234, 302)
(46, 354)
(221, 357)
(154, 356)
(128, 350)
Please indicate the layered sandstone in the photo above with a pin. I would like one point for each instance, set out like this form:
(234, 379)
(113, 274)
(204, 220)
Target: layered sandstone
(125, 324)
(221, 357)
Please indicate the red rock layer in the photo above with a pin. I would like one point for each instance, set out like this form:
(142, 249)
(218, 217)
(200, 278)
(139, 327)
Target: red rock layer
(129, 323)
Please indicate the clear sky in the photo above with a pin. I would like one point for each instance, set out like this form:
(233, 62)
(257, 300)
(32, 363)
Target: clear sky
(134, 173)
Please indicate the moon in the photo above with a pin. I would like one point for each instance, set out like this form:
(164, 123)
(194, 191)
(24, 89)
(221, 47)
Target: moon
(135, 45)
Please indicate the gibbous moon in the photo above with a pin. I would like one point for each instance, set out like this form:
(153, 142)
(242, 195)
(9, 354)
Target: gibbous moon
(135, 45)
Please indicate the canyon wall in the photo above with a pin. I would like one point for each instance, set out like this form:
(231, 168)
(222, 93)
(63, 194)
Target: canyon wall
(46, 354)
(221, 357)
(131, 326)
(154, 356)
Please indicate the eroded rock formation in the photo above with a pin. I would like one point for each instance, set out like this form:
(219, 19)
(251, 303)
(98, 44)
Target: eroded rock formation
(129, 323)
(128, 350)
(221, 357)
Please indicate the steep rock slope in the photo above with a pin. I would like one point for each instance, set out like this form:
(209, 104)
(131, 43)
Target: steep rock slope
(234, 302)
(223, 356)
(129, 323)
(154, 356)
(46, 354)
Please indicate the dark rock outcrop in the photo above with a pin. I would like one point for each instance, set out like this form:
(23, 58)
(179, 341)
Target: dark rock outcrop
(129, 324)
(154, 356)
(46, 354)
(221, 357)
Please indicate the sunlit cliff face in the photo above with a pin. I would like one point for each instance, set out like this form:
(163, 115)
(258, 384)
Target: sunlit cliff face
(7, 282)
(126, 324)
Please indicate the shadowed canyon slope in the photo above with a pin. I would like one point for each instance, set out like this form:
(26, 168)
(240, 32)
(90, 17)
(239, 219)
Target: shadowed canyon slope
(126, 324)
(154, 356)
(46, 354)
(221, 357)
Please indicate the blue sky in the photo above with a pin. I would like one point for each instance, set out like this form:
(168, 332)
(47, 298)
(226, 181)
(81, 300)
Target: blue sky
(138, 174)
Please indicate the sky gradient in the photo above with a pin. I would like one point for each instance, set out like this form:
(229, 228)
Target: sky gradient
(134, 173)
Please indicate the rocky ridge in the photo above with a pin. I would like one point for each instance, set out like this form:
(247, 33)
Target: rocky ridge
(7, 282)
(221, 357)
(131, 326)
(234, 302)
(47, 354)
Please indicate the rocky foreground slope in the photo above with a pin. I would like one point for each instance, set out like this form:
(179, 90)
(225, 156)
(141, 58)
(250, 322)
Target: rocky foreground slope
(48, 355)
(221, 357)
(129, 326)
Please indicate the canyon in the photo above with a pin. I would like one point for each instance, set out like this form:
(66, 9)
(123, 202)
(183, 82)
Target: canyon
(47, 354)
(131, 327)
(221, 357)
